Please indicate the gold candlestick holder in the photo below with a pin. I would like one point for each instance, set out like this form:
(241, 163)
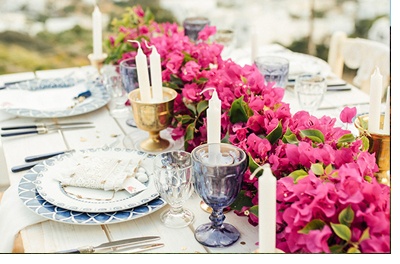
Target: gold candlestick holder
(97, 62)
(378, 144)
(153, 118)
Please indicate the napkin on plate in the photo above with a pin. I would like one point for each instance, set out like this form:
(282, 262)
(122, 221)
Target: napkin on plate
(14, 216)
(98, 171)
(50, 99)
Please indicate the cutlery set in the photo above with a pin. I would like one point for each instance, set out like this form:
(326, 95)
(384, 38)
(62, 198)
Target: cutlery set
(131, 245)
(41, 128)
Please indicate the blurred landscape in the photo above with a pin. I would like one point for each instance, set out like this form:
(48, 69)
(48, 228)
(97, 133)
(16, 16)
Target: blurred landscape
(51, 34)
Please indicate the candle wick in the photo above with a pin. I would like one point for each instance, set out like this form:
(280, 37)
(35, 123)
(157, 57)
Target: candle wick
(263, 167)
(131, 40)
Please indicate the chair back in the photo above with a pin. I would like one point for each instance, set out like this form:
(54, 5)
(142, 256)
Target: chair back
(361, 54)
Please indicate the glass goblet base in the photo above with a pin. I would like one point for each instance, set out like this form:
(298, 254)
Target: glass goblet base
(211, 236)
(177, 219)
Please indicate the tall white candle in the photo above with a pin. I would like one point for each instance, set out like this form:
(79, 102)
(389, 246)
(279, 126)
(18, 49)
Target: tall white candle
(97, 32)
(386, 122)
(143, 76)
(375, 96)
(266, 210)
(214, 126)
(155, 72)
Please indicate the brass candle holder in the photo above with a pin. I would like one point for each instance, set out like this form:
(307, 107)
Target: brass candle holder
(97, 62)
(153, 117)
(378, 144)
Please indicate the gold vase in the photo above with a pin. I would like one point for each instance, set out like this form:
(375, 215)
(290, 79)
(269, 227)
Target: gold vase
(153, 117)
(378, 144)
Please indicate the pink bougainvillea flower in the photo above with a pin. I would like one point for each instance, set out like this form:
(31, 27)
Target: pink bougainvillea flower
(347, 114)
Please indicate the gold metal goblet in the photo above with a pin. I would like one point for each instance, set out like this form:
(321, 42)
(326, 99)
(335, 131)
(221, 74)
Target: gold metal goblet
(378, 144)
(153, 117)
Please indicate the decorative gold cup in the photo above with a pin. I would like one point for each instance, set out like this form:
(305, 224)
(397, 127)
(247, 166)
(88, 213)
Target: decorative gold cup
(378, 144)
(153, 117)
(97, 62)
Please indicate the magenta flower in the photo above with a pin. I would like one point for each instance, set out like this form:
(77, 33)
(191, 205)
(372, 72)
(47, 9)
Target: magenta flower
(347, 114)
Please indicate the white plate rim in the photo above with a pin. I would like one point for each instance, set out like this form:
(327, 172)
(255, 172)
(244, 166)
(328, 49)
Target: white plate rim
(51, 190)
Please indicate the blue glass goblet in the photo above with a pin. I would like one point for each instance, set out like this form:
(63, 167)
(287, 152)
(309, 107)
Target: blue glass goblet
(218, 170)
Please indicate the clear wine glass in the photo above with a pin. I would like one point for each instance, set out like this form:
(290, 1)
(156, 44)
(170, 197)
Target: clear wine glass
(173, 180)
(218, 180)
(310, 90)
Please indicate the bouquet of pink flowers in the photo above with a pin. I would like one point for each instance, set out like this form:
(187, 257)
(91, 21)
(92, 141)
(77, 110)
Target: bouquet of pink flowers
(328, 199)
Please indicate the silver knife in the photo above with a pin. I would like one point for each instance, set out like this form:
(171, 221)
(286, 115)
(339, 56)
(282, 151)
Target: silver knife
(40, 125)
(43, 130)
(114, 245)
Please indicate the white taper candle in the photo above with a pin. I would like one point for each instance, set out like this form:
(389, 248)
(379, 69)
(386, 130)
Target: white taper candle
(375, 96)
(266, 209)
(214, 125)
(97, 32)
(155, 73)
(143, 76)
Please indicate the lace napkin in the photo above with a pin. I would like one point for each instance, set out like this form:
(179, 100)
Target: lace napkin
(99, 171)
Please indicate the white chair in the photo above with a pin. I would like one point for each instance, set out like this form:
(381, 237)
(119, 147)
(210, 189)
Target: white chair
(361, 54)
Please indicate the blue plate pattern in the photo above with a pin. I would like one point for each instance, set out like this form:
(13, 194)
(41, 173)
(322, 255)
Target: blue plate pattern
(99, 98)
(31, 198)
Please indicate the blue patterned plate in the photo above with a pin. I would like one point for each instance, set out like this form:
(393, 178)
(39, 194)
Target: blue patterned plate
(99, 98)
(32, 199)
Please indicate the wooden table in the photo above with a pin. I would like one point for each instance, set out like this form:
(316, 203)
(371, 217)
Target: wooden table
(52, 236)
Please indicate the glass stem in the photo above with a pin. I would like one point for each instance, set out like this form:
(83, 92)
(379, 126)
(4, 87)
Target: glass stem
(176, 210)
(217, 217)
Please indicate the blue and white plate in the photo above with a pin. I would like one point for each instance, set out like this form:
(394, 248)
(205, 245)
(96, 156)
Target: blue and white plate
(35, 202)
(99, 98)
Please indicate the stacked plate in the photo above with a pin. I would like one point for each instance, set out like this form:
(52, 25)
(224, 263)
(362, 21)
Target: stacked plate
(45, 196)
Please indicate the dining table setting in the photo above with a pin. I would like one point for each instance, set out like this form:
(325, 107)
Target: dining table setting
(163, 144)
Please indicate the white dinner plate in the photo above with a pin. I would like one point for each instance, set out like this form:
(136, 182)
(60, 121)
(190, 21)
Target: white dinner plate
(34, 202)
(94, 200)
(303, 63)
(99, 98)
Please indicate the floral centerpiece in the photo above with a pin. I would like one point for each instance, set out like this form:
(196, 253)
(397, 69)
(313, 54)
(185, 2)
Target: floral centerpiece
(328, 199)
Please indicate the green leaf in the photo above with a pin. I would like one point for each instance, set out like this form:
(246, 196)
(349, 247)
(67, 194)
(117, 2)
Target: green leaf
(328, 169)
(365, 143)
(289, 137)
(225, 139)
(253, 166)
(342, 231)
(239, 111)
(315, 224)
(148, 16)
(254, 210)
(298, 175)
(189, 135)
(201, 106)
(317, 169)
(201, 80)
(365, 235)
(336, 249)
(346, 216)
(275, 134)
(184, 119)
(346, 138)
(353, 250)
(313, 134)
(192, 108)
(241, 201)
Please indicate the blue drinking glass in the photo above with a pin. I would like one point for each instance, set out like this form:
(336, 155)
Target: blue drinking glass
(218, 180)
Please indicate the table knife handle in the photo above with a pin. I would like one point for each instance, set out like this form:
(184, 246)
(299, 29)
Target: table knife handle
(19, 133)
(42, 156)
(19, 127)
(23, 167)
(69, 251)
